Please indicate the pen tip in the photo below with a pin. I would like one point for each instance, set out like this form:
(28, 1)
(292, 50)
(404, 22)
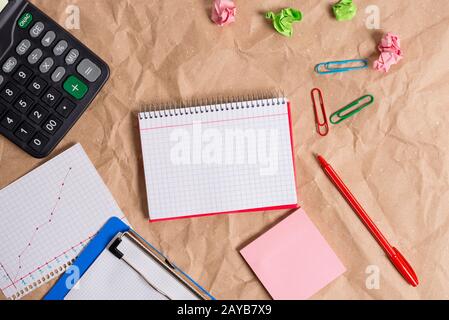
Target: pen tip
(321, 160)
(404, 268)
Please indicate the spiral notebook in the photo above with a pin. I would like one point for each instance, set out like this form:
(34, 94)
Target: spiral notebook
(48, 217)
(218, 158)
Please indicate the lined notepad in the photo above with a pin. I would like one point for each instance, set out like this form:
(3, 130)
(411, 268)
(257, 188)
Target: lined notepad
(48, 217)
(222, 158)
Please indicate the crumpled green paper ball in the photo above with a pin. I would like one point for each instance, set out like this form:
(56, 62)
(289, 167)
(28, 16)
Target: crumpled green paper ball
(283, 21)
(344, 10)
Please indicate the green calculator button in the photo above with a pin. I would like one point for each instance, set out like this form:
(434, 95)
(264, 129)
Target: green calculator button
(75, 87)
(25, 20)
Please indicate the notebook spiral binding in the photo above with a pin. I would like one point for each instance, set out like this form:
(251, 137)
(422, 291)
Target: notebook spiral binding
(44, 279)
(207, 105)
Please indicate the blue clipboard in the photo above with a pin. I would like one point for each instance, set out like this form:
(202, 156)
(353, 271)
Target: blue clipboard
(89, 255)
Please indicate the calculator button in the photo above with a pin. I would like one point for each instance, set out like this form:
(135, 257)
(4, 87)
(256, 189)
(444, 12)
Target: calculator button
(23, 47)
(2, 109)
(1, 80)
(75, 87)
(9, 92)
(38, 114)
(89, 70)
(58, 74)
(39, 142)
(22, 75)
(35, 56)
(72, 56)
(48, 39)
(37, 86)
(25, 20)
(60, 48)
(37, 30)
(24, 103)
(9, 65)
(46, 65)
(25, 131)
(65, 108)
(51, 97)
(11, 120)
(52, 125)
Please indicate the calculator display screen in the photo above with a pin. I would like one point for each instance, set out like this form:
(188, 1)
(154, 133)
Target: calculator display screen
(3, 4)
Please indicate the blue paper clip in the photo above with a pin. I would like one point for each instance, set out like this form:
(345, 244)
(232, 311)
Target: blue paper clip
(341, 66)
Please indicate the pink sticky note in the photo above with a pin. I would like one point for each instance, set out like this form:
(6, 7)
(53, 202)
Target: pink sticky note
(293, 260)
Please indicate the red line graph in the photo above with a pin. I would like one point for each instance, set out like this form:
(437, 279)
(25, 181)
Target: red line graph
(13, 283)
(37, 229)
(9, 277)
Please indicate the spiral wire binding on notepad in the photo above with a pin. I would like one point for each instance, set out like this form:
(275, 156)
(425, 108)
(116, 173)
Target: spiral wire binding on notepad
(44, 279)
(217, 104)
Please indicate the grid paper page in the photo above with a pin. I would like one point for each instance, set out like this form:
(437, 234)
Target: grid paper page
(48, 216)
(110, 278)
(227, 158)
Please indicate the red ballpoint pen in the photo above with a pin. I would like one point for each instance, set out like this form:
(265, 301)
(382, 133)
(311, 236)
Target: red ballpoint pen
(398, 260)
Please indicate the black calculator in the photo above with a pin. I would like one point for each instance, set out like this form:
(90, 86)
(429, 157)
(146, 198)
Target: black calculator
(47, 78)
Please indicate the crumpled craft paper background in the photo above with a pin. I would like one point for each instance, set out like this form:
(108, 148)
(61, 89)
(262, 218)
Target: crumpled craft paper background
(394, 155)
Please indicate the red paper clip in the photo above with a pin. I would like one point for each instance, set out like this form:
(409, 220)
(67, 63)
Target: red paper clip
(320, 125)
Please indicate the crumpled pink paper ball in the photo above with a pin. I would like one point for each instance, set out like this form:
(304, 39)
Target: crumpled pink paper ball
(223, 12)
(390, 52)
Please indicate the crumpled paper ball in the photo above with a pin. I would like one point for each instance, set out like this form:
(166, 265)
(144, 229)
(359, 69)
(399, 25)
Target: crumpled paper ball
(283, 21)
(390, 52)
(223, 12)
(344, 10)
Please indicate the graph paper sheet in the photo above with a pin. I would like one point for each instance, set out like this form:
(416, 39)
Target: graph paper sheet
(112, 279)
(213, 159)
(48, 216)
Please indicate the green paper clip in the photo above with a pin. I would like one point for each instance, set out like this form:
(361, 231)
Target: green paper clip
(342, 114)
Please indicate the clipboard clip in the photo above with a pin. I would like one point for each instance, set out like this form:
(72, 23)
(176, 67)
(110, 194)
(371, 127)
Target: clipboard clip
(322, 128)
(113, 248)
(341, 66)
(346, 112)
